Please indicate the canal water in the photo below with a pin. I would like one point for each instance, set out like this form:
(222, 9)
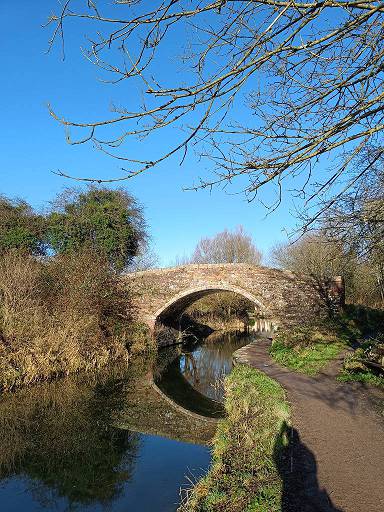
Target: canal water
(124, 440)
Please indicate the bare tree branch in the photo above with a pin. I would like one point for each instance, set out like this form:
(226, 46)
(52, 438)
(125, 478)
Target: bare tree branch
(270, 89)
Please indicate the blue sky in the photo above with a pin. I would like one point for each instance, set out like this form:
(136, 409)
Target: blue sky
(33, 145)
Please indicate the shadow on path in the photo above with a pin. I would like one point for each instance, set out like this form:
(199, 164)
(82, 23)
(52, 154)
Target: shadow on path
(341, 425)
(353, 398)
(297, 467)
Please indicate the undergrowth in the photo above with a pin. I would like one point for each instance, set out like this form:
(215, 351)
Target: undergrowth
(244, 476)
(365, 364)
(308, 349)
(60, 316)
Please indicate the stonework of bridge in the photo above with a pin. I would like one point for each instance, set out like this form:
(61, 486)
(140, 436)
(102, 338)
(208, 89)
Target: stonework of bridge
(279, 295)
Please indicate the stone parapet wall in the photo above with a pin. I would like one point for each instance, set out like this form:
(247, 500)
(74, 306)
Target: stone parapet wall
(280, 295)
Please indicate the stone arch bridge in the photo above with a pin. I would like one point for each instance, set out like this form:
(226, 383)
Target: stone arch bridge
(278, 295)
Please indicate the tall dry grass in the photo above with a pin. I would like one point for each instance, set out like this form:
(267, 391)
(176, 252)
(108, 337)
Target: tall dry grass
(60, 316)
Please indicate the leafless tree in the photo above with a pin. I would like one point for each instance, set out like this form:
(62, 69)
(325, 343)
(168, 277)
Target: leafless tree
(323, 258)
(227, 247)
(269, 89)
(357, 220)
(312, 255)
(144, 260)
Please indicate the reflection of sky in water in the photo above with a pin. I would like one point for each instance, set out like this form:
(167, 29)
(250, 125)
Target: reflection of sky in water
(162, 466)
(61, 451)
(205, 365)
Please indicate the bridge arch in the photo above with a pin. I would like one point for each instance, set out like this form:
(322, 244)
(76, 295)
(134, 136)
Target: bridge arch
(284, 297)
(182, 300)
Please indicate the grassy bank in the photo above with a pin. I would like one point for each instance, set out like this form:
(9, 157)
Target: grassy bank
(244, 476)
(60, 316)
(309, 348)
(362, 364)
(366, 377)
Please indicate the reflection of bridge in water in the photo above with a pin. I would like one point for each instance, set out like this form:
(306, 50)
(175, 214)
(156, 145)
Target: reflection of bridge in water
(173, 407)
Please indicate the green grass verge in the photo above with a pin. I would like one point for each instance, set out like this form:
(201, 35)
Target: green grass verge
(309, 348)
(368, 378)
(308, 359)
(246, 449)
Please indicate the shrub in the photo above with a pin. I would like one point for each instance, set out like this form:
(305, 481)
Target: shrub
(20, 227)
(106, 221)
(366, 320)
(59, 316)
(353, 362)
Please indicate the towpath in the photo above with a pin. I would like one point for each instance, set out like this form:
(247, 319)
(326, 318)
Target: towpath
(337, 440)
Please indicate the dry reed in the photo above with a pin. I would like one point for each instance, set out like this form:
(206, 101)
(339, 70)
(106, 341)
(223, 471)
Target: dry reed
(60, 316)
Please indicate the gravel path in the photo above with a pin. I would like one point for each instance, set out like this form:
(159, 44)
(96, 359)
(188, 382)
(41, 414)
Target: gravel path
(337, 439)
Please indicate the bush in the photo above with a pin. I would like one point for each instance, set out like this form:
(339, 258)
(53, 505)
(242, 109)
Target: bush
(20, 227)
(353, 362)
(366, 320)
(59, 316)
(107, 221)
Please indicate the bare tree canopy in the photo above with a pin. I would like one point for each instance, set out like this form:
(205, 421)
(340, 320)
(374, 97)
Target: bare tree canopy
(357, 222)
(227, 247)
(269, 89)
(144, 260)
(358, 217)
(313, 255)
(323, 258)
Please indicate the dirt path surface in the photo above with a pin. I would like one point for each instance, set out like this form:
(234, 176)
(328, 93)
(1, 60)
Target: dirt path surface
(336, 460)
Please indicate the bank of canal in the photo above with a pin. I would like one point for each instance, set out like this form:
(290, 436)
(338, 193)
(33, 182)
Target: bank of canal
(120, 440)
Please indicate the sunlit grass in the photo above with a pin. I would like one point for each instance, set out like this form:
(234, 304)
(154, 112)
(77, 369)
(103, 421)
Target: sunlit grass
(248, 443)
(310, 359)
(367, 377)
